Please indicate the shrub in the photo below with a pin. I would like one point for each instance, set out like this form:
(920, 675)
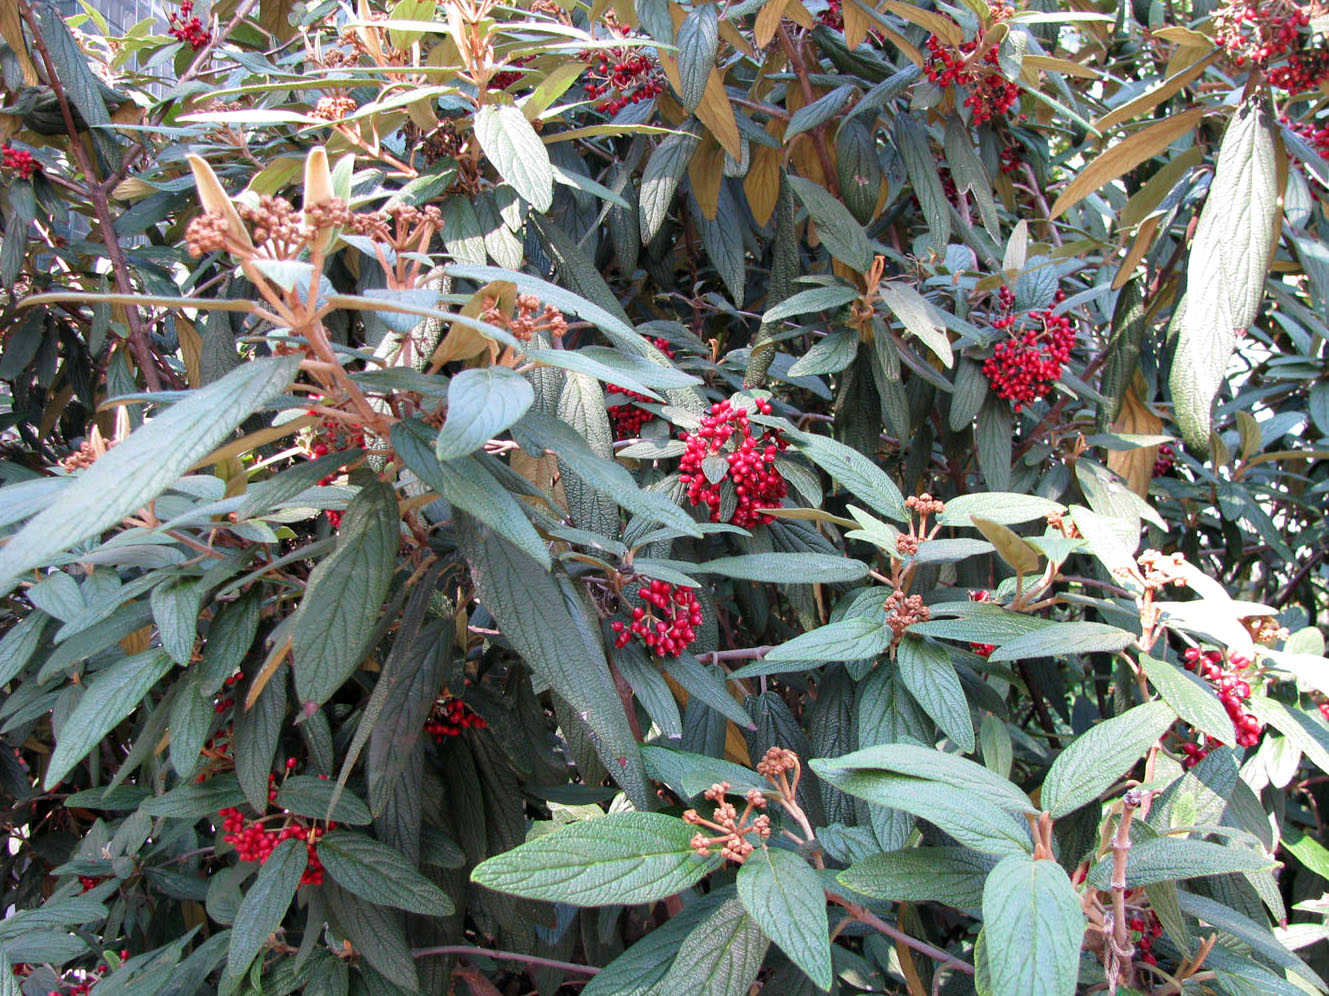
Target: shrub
(647, 498)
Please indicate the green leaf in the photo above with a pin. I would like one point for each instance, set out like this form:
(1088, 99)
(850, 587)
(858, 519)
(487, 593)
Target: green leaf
(854, 471)
(509, 142)
(698, 38)
(1033, 925)
(961, 774)
(481, 404)
(536, 618)
(997, 506)
(1307, 733)
(1257, 935)
(858, 168)
(950, 875)
(345, 595)
(467, 485)
(818, 112)
(1228, 261)
(264, 906)
(311, 796)
(1192, 698)
(376, 872)
(705, 686)
(1062, 639)
(109, 697)
(972, 821)
(146, 463)
(623, 858)
(190, 723)
(784, 897)
(829, 354)
(659, 180)
(911, 141)
(843, 237)
(1102, 755)
(928, 674)
(175, 607)
(813, 299)
(1163, 859)
(20, 643)
(920, 316)
(853, 639)
(790, 568)
(721, 957)
(692, 774)
(193, 800)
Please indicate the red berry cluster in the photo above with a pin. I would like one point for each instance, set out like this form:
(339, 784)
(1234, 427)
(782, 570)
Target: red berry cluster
(89, 882)
(20, 161)
(629, 73)
(1303, 71)
(1024, 367)
(505, 79)
(449, 717)
(833, 17)
(226, 701)
(1011, 160)
(1165, 461)
(253, 841)
(1324, 710)
(751, 464)
(982, 649)
(990, 93)
(667, 623)
(1259, 31)
(1233, 690)
(334, 437)
(1316, 137)
(626, 416)
(186, 27)
(1145, 928)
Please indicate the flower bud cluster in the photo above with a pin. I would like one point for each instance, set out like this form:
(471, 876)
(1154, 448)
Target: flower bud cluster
(449, 717)
(1165, 460)
(731, 829)
(19, 161)
(626, 416)
(902, 611)
(1232, 680)
(532, 316)
(255, 840)
(1023, 367)
(335, 108)
(990, 93)
(186, 27)
(666, 624)
(749, 464)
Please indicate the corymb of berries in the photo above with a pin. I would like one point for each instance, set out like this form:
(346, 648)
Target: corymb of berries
(990, 93)
(725, 451)
(1024, 366)
(667, 621)
(20, 162)
(1232, 680)
(627, 416)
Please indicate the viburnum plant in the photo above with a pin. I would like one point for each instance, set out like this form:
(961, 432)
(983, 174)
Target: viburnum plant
(665, 498)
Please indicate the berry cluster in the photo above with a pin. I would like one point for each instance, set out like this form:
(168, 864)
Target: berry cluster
(253, 841)
(1303, 71)
(627, 417)
(667, 623)
(89, 882)
(620, 77)
(1165, 461)
(982, 649)
(449, 717)
(1316, 136)
(1259, 31)
(1024, 367)
(1233, 690)
(225, 700)
(186, 27)
(505, 79)
(748, 463)
(335, 437)
(833, 17)
(1011, 160)
(1145, 927)
(20, 161)
(990, 93)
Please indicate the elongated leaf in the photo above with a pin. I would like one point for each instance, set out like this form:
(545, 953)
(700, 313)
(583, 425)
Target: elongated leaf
(638, 970)
(997, 506)
(659, 181)
(784, 897)
(853, 639)
(264, 906)
(1307, 734)
(1163, 859)
(911, 142)
(1192, 698)
(721, 957)
(376, 872)
(481, 404)
(1227, 265)
(108, 699)
(1102, 755)
(855, 472)
(511, 144)
(345, 595)
(839, 232)
(927, 672)
(810, 300)
(790, 568)
(920, 316)
(145, 464)
(972, 821)
(311, 796)
(950, 875)
(1257, 935)
(622, 858)
(818, 112)
(698, 38)
(961, 774)
(1065, 638)
(829, 354)
(1033, 925)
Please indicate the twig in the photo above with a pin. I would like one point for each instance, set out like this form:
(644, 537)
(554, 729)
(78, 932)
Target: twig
(466, 951)
(1122, 971)
(744, 654)
(818, 134)
(923, 947)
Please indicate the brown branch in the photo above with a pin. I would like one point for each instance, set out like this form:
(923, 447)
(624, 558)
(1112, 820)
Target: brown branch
(465, 951)
(923, 947)
(818, 134)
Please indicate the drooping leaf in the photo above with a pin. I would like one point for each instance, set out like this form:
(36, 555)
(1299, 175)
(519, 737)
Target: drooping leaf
(784, 897)
(1061, 639)
(720, 957)
(1101, 755)
(1166, 859)
(511, 144)
(927, 672)
(374, 871)
(264, 907)
(481, 404)
(852, 639)
(950, 875)
(839, 232)
(1033, 926)
(698, 38)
